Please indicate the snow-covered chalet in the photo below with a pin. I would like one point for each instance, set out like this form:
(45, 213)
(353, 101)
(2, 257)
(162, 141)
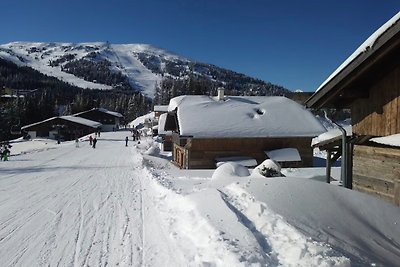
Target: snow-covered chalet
(207, 130)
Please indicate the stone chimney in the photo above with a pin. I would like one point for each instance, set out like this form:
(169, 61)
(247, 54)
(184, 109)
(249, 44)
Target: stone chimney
(220, 96)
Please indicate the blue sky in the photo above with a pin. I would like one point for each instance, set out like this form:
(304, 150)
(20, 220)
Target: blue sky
(296, 44)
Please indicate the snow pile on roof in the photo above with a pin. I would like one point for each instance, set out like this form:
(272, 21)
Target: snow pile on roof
(244, 116)
(284, 154)
(161, 123)
(79, 120)
(331, 135)
(90, 123)
(113, 113)
(163, 108)
(391, 140)
(369, 43)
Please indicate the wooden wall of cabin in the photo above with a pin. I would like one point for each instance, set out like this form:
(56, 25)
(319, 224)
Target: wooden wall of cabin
(378, 115)
(376, 171)
(202, 152)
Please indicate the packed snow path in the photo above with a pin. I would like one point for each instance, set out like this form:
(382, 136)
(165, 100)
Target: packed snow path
(128, 206)
(79, 207)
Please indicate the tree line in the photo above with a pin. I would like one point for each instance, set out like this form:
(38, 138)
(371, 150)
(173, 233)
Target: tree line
(49, 97)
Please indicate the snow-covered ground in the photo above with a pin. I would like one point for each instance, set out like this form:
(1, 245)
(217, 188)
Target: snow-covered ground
(129, 206)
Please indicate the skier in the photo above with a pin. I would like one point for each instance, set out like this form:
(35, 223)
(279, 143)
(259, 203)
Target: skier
(90, 140)
(76, 142)
(126, 141)
(94, 142)
(6, 153)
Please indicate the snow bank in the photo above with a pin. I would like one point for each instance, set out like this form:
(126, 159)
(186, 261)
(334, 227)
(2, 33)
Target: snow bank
(291, 248)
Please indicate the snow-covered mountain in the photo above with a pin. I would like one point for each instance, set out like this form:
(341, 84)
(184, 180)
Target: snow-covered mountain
(106, 66)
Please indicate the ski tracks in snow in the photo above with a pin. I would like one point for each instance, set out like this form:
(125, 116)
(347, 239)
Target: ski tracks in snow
(72, 207)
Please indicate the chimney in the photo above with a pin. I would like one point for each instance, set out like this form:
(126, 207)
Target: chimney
(220, 94)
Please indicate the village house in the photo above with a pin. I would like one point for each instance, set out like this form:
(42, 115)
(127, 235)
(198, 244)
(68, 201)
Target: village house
(110, 120)
(240, 128)
(160, 109)
(62, 128)
(166, 136)
(368, 83)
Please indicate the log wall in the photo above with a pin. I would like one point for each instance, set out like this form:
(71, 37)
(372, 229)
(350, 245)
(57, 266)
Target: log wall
(376, 171)
(378, 114)
(202, 152)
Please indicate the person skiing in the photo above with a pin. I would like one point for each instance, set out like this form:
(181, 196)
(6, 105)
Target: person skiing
(126, 141)
(94, 142)
(6, 153)
(90, 140)
(76, 142)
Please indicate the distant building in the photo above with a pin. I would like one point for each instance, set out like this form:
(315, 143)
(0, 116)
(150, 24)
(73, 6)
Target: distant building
(210, 129)
(158, 110)
(62, 128)
(110, 120)
(166, 136)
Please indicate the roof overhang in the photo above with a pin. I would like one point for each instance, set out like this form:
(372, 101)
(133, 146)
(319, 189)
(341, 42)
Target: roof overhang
(351, 82)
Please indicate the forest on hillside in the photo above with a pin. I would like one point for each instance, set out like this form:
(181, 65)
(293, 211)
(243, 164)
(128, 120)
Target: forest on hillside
(47, 97)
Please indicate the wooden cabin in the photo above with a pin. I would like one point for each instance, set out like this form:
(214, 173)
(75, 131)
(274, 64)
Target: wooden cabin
(161, 109)
(206, 128)
(62, 128)
(166, 136)
(110, 120)
(368, 83)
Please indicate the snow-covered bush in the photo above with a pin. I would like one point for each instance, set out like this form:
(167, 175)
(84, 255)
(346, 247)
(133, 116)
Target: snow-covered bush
(231, 169)
(268, 168)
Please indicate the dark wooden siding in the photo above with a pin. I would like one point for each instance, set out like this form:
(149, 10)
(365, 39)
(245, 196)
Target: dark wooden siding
(69, 130)
(378, 115)
(376, 170)
(95, 115)
(202, 152)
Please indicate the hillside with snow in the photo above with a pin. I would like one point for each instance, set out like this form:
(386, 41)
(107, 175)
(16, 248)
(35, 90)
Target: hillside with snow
(108, 66)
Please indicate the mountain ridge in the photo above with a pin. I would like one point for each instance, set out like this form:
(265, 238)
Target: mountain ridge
(142, 67)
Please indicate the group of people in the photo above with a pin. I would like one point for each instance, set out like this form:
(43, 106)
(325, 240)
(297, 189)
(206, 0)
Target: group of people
(5, 152)
(93, 141)
(135, 134)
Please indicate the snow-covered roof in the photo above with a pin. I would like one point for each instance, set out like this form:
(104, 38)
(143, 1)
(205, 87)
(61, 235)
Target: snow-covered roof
(364, 47)
(284, 154)
(90, 123)
(391, 140)
(113, 113)
(244, 116)
(331, 135)
(162, 108)
(161, 123)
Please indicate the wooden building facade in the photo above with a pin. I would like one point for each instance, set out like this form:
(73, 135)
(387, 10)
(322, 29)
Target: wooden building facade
(110, 120)
(201, 153)
(62, 128)
(369, 84)
(205, 129)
